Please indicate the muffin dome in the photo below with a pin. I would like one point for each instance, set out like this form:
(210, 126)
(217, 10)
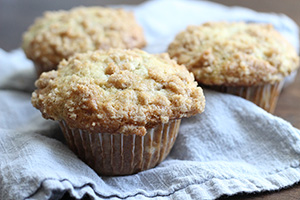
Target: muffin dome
(236, 54)
(125, 91)
(60, 34)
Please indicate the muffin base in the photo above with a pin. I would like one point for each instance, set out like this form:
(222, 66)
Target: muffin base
(265, 96)
(119, 154)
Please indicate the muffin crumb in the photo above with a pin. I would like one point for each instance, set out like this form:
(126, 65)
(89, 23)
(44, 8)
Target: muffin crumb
(234, 54)
(61, 34)
(118, 91)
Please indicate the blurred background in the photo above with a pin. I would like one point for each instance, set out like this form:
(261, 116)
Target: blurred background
(17, 15)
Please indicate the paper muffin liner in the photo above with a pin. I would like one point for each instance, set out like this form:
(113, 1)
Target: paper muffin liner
(265, 96)
(119, 154)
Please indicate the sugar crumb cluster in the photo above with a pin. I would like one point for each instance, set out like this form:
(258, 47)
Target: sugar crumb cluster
(60, 34)
(223, 53)
(116, 90)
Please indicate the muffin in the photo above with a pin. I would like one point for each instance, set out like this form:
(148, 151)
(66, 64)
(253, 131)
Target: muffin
(119, 110)
(248, 60)
(60, 34)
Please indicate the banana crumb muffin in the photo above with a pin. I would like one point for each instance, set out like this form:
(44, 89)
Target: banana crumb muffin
(249, 60)
(119, 101)
(60, 34)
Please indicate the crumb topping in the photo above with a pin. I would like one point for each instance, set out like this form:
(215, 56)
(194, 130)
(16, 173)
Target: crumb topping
(60, 34)
(221, 53)
(125, 91)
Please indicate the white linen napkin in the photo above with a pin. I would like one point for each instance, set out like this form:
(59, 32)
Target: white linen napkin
(233, 147)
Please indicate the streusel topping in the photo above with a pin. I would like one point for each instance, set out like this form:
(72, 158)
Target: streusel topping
(125, 91)
(221, 53)
(60, 34)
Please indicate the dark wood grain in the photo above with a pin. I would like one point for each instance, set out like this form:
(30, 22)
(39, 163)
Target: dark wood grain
(288, 106)
(17, 15)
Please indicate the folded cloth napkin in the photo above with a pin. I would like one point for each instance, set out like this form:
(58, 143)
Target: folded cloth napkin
(233, 147)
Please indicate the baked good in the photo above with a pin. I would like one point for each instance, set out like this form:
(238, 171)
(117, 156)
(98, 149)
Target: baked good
(119, 109)
(249, 60)
(60, 34)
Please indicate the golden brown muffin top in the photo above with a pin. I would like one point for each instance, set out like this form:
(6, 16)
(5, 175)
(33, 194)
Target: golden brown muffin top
(60, 34)
(125, 91)
(221, 53)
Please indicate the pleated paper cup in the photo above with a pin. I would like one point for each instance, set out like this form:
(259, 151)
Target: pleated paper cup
(119, 154)
(265, 96)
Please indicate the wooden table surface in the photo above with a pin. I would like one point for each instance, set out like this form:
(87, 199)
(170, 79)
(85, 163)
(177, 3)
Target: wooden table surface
(17, 15)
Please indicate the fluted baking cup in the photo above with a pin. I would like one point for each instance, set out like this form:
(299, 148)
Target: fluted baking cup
(265, 96)
(119, 154)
